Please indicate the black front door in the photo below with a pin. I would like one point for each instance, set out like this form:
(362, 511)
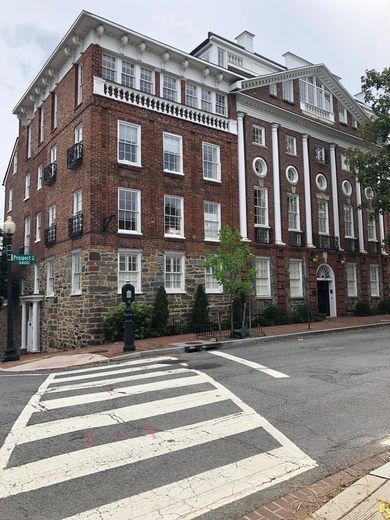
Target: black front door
(323, 297)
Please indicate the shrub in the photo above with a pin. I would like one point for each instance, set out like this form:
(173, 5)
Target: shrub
(272, 315)
(200, 312)
(384, 307)
(142, 319)
(362, 309)
(301, 315)
(160, 311)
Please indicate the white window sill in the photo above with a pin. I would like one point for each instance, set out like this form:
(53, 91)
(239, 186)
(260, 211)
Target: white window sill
(262, 297)
(119, 293)
(262, 226)
(128, 163)
(124, 232)
(76, 293)
(352, 296)
(292, 154)
(174, 291)
(39, 188)
(173, 172)
(49, 296)
(174, 236)
(373, 240)
(9, 211)
(209, 291)
(212, 240)
(25, 198)
(349, 237)
(294, 230)
(217, 181)
(296, 297)
(261, 145)
(36, 241)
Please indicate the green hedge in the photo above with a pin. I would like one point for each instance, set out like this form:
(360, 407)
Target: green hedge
(142, 319)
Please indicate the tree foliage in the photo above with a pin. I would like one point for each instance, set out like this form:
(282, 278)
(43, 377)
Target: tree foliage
(200, 311)
(160, 311)
(372, 162)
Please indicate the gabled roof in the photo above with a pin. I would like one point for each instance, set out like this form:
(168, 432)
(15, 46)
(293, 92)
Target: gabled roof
(11, 160)
(322, 72)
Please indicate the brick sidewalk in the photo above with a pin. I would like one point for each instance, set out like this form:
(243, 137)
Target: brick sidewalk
(305, 500)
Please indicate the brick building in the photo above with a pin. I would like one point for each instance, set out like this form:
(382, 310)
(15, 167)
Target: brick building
(131, 155)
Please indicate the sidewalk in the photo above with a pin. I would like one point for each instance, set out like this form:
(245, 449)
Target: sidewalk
(170, 344)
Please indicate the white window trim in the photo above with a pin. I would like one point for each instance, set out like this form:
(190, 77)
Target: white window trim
(180, 172)
(15, 162)
(80, 83)
(263, 162)
(345, 167)
(214, 290)
(29, 141)
(299, 262)
(262, 131)
(207, 239)
(27, 186)
(213, 101)
(288, 90)
(49, 294)
(138, 252)
(296, 196)
(10, 199)
(27, 234)
(218, 179)
(352, 222)
(354, 293)
(39, 177)
(129, 231)
(378, 292)
(295, 182)
(123, 161)
(318, 176)
(294, 153)
(169, 235)
(266, 225)
(268, 260)
(183, 280)
(323, 233)
(38, 236)
(78, 291)
(178, 87)
(371, 224)
(273, 89)
(343, 115)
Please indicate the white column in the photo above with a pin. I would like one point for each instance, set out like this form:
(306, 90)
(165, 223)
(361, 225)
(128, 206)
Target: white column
(241, 175)
(276, 178)
(360, 217)
(306, 177)
(36, 279)
(23, 335)
(382, 234)
(35, 317)
(335, 197)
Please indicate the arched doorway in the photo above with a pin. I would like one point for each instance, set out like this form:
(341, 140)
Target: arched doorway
(326, 290)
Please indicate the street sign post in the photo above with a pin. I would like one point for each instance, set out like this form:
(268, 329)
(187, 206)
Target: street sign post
(23, 259)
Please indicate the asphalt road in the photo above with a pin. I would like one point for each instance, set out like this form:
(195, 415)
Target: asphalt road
(329, 395)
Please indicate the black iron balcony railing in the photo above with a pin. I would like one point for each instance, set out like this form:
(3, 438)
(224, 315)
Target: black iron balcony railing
(51, 235)
(326, 242)
(351, 245)
(295, 238)
(75, 156)
(263, 235)
(75, 225)
(374, 248)
(50, 174)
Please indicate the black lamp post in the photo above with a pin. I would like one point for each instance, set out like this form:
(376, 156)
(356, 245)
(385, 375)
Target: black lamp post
(128, 296)
(10, 353)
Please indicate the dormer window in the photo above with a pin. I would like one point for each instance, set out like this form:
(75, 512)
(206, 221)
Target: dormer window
(343, 115)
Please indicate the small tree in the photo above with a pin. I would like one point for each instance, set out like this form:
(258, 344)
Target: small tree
(160, 311)
(200, 311)
(232, 267)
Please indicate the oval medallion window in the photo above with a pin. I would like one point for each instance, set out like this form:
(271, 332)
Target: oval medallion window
(292, 174)
(369, 193)
(260, 167)
(321, 182)
(347, 188)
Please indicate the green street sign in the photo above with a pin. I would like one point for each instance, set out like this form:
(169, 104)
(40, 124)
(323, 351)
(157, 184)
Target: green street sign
(23, 259)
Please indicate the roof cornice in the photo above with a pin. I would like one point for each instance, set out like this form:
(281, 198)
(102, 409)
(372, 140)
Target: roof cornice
(10, 160)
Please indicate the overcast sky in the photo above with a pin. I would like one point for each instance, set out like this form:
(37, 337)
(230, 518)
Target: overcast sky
(349, 36)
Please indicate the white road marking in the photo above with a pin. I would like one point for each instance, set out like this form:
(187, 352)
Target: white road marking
(114, 380)
(201, 493)
(117, 393)
(251, 364)
(80, 463)
(111, 372)
(45, 430)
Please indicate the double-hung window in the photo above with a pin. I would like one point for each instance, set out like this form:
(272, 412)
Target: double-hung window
(38, 223)
(173, 216)
(211, 284)
(78, 134)
(129, 211)
(296, 281)
(258, 135)
(54, 109)
(27, 230)
(348, 222)
(29, 140)
(220, 104)
(10, 199)
(191, 95)
(146, 80)
(211, 162)
(261, 206)
(128, 74)
(343, 115)
(39, 177)
(206, 100)
(323, 219)
(212, 220)
(52, 215)
(15, 162)
(41, 125)
(174, 273)
(77, 202)
(76, 282)
(50, 277)
(170, 88)
(371, 226)
(273, 89)
(320, 154)
(129, 268)
(173, 153)
(221, 57)
(291, 145)
(108, 68)
(351, 281)
(344, 162)
(27, 186)
(129, 143)
(293, 212)
(79, 83)
(53, 154)
(288, 90)
(263, 278)
(374, 281)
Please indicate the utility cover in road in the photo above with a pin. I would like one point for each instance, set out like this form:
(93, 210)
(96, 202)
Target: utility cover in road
(23, 259)
(150, 439)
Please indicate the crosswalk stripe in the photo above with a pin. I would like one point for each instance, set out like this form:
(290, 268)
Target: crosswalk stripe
(251, 364)
(201, 493)
(111, 372)
(107, 365)
(53, 470)
(114, 380)
(117, 393)
(46, 430)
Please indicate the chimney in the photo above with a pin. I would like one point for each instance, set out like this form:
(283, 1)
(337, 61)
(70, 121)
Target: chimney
(245, 39)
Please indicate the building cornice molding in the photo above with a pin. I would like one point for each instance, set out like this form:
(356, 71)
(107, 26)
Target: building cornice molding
(285, 118)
